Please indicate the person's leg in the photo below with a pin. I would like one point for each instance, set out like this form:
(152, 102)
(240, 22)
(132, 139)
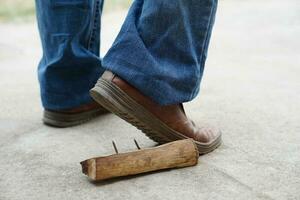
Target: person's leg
(70, 65)
(162, 48)
(157, 63)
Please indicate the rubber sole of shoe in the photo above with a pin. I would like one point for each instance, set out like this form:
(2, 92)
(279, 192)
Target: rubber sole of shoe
(118, 102)
(63, 120)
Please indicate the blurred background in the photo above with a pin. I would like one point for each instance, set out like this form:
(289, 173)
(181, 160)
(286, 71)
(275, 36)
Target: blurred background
(24, 10)
(250, 89)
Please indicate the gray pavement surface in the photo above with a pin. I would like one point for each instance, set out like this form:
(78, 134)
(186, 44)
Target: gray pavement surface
(251, 90)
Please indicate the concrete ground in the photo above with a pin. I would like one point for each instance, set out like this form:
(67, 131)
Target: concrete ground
(251, 90)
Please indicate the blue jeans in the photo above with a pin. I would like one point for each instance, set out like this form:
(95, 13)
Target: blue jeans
(161, 49)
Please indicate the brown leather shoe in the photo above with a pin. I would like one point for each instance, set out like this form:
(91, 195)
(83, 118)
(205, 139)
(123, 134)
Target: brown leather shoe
(161, 123)
(74, 116)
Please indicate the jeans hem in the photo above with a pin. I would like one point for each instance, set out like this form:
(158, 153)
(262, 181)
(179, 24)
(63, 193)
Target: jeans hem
(155, 90)
(54, 101)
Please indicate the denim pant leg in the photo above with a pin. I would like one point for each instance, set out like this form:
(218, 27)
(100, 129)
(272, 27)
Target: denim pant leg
(162, 47)
(70, 65)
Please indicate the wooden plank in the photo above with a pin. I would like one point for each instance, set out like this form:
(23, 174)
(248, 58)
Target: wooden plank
(181, 153)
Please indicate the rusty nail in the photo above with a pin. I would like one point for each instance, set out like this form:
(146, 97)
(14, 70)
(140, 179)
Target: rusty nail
(136, 144)
(115, 147)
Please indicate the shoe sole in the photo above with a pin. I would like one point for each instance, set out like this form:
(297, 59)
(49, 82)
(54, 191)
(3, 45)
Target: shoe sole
(63, 120)
(118, 102)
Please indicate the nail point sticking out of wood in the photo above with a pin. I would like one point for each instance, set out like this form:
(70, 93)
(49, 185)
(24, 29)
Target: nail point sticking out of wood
(115, 147)
(137, 144)
(181, 153)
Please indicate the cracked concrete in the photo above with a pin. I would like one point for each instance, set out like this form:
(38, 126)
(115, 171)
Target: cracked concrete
(251, 89)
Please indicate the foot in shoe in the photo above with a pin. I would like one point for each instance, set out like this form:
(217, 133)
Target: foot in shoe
(73, 116)
(161, 123)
